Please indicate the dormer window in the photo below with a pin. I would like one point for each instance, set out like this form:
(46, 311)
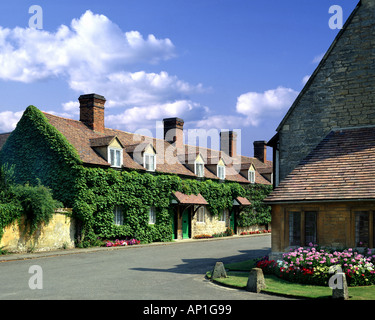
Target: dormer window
(199, 166)
(251, 174)
(199, 169)
(221, 170)
(115, 157)
(149, 161)
(110, 149)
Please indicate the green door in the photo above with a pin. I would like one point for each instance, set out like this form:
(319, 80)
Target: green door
(185, 224)
(173, 227)
(232, 224)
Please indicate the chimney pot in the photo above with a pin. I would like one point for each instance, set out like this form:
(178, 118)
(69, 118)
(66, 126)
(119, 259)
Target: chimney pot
(260, 150)
(92, 111)
(174, 131)
(228, 143)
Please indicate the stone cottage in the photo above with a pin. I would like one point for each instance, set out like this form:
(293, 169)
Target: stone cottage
(101, 147)
(324, 149)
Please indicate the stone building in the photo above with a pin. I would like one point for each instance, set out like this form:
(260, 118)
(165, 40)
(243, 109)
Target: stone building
(101, 147)
(324, 147)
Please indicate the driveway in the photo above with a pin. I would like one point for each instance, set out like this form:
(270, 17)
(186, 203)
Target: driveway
(172, 271)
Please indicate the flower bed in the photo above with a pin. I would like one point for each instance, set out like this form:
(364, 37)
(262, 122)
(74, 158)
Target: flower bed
(254, 232)
(118, 243)
(313, 265)
(202, 236)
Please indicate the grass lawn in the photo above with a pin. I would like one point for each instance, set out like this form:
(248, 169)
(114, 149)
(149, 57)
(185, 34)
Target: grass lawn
(238, 274)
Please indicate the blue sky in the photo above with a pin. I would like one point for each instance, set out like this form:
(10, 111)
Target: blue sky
(218, 64)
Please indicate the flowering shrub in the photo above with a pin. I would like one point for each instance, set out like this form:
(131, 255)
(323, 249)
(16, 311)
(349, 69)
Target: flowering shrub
(202, 236)
(118, 243)
(254, 232)
(315, 266)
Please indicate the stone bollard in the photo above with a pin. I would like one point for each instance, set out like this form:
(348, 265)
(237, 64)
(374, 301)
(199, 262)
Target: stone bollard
(339, 286)
(255, 282)
(218, 271)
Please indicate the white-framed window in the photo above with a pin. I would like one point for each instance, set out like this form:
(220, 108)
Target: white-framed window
(223, 215)
(115, 157)
(152, 215)
(201, 214)
(221, 172)
(149, 161)
(252, 176)
(118, 216)
(199, 169)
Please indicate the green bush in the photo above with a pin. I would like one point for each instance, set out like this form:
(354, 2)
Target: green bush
(37, 204)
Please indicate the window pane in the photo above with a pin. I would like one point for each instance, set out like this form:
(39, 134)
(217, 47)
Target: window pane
(221, 172)
(152, 216)
(361, 228)
(252, 176)
(112, 157)
(118, 158)
(201, 214)
(118, 217)
(294, 228)
(223, 215)
(310, 227)
(149, 162)
(153, 164)
(199, 169)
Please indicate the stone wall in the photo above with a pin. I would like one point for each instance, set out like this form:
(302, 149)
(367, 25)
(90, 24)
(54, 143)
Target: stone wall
(210, 226)
(335, 223)
(213, 225)
(339, 94)
(58, 233)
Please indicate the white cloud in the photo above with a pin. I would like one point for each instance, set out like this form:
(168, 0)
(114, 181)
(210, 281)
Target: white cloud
(126, 89)
(92, 45)
(318, 58)
(9, 120)
(305, 79)
(271, 103)
(147, 116)
(220, 122)
(94, 56)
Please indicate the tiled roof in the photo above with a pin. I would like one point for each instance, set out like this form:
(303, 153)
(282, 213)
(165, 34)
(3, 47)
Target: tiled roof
(341, 167)
(243, 201)
(85, 140)
(190, 199)
(3, 138)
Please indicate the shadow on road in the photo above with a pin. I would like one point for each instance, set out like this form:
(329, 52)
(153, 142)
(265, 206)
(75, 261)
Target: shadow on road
(202, 265)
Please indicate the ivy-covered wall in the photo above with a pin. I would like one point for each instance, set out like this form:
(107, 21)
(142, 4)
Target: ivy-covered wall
(41, 154)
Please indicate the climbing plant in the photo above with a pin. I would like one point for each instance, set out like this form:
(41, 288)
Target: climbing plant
(41, 155)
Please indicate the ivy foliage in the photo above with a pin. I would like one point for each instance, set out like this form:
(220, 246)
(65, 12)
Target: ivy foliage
(101, 190)
(35, 203)
(258, 213)
(41, 155)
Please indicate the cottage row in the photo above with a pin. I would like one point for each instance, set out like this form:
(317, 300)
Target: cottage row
(101, 147)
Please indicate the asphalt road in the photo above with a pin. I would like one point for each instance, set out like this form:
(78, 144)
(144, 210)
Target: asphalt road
(152, 272)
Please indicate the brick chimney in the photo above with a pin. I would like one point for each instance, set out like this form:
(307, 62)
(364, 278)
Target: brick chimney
(92, 111)
(260, 150)
(228, 143)
(174, 131)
